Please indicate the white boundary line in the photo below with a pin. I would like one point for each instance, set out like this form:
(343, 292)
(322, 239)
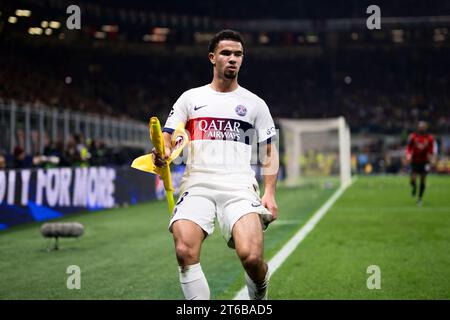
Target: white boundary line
(292, 244)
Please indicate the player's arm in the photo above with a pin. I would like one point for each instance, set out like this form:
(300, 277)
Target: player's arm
(409, 147)
(268, 157)
(269, 166)
(177, 114)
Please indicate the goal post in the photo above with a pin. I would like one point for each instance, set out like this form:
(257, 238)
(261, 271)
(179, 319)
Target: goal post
(323, 136)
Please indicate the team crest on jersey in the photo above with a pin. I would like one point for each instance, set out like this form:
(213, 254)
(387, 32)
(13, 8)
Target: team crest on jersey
(241, 110)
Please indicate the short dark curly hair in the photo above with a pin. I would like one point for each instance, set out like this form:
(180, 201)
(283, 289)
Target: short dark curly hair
(224, 35)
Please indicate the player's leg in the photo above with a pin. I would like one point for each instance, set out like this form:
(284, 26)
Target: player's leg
(192, 220)
(249, 244)
(188, 238)
(413, 181)
(423, 177)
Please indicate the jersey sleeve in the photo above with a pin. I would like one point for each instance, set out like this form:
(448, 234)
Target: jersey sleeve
(264, 125)
(178, 113)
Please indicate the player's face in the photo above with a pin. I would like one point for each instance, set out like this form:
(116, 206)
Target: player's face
(227, 58)
(422, 127)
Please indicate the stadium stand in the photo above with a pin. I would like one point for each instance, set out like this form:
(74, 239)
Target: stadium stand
(326, 71)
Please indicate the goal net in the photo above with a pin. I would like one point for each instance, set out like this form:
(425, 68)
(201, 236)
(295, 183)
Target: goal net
(315, 150)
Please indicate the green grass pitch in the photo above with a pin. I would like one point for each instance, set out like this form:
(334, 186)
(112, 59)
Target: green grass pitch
(127, 253)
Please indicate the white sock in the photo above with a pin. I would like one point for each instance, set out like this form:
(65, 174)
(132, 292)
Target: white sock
(193, 282)
(257, 292)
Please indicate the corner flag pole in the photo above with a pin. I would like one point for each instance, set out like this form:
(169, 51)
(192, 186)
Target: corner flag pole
(146, 162)
(157, 139)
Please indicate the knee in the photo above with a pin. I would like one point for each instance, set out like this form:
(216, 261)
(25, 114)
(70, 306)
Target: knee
(185, 254)
(251, 260)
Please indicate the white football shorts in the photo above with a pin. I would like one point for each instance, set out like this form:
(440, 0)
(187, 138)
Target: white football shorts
(201, 204)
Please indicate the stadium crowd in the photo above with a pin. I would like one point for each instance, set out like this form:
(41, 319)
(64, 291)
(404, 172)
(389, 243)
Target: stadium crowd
(383, 91)
(377, 92)
(76, 152)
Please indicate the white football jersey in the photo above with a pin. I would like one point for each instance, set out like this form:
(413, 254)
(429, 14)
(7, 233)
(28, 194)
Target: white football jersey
(222, 127)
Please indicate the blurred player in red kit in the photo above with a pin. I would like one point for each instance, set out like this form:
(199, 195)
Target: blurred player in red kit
(419, 153)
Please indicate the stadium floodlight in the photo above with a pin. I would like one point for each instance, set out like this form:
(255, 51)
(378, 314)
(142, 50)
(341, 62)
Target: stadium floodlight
(23, 13)
(159, 30)
(35, 31)
(325, 139)
(154, 38)
(312, 38)
(55, 24)
(110, 28)
(99, 35)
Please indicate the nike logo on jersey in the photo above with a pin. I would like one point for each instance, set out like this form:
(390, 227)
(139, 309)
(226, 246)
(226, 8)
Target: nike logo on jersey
(256, 204)
(199, 107)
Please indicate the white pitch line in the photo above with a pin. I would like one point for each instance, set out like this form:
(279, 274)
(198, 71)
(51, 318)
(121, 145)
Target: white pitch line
(292, 244)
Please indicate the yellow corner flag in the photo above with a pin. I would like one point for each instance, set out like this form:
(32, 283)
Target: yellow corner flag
(146, 163)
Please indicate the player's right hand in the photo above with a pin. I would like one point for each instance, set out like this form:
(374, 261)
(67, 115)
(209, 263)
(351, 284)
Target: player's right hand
(160, 161)
(408, 159)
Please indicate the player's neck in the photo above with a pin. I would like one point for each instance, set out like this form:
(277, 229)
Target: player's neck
(224, 85)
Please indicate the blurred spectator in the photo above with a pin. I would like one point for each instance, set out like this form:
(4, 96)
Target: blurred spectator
(2, 162)
(19, 157)
(99, 153)
(81, 151)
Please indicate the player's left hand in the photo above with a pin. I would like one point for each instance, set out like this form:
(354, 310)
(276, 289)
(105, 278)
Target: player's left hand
(268, 201)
